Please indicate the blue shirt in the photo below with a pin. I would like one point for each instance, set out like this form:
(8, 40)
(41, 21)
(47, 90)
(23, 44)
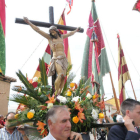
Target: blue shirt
(5, 135)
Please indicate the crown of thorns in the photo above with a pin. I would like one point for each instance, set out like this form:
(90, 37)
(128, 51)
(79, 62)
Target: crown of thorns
(53, 28)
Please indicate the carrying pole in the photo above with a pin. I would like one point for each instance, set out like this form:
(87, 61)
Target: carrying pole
(133, 90)
(114, 92)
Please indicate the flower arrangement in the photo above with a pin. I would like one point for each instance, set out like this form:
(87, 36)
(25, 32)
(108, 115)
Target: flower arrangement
(38, 98)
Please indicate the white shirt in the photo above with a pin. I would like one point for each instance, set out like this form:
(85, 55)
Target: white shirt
(49, 137)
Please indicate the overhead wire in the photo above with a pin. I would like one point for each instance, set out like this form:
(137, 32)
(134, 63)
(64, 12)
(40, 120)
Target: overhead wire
(109, 48)
(32, 53)
(132, 63)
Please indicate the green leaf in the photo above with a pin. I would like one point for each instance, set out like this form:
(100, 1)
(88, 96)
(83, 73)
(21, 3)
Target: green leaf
(69, 80)
(44, 78)
(25, 81)
(87, 83)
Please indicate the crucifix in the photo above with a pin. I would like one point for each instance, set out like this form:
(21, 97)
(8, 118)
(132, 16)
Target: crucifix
(58, 61)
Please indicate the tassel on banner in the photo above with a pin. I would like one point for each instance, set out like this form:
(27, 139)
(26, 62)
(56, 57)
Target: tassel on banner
(70, 5)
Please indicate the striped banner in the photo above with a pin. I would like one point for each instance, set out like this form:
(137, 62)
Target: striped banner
(2, 36)
(123, 73)
(47, 54)
(95, 62)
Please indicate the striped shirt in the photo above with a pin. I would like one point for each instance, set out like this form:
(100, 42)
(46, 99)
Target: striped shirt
(5, 135)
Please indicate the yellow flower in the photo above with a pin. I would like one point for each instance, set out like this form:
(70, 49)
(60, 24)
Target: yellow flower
(101, 115)
(30, 115)
(95, 96)
(72, 85)
(69, 93)
(75, 119)
(16, 116)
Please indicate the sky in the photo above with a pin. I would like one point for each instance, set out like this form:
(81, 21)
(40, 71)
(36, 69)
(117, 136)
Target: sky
(24, 46)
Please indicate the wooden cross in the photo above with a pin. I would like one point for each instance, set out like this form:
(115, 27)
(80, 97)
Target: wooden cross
(47, 25)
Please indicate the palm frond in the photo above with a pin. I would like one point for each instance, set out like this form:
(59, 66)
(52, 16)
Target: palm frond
(88, 82)
(44, 78)
(25, 81)
(20, 122)
(79, 87)
(69, 80)
(69, 68)
(29, 87)
(26, 100)
(33, 94)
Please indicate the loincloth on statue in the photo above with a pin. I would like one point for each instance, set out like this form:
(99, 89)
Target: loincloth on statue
(61, 60)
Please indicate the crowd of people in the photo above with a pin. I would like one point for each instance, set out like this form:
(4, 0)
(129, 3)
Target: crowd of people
(101, 133)
(2, 121)
(59, 125)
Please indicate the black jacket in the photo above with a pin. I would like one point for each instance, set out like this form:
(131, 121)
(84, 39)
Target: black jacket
(120, 133)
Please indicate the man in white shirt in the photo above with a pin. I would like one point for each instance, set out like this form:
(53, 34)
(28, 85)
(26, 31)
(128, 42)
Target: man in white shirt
(58, 121)
(119, 118)
(12, 132)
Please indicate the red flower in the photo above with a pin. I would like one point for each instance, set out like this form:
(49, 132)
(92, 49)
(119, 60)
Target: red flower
(43, 132)
(101, 105)
(40, 127)
(81, 116)
(34, 84)
(51, 99)
(77, 106)
(43, 107)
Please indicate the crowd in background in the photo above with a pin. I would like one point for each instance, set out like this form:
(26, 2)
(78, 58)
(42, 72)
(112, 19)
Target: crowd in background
(101, 133)
(2, 121)
(130, 115)
(98, 133)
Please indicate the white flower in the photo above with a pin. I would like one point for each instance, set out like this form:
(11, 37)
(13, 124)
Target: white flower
(19, 112)
(75, 99)
(89, 96)
(94, 114)
(50, 105)
(39, 90)
(35, 79)
(32, 111)
(62, 99)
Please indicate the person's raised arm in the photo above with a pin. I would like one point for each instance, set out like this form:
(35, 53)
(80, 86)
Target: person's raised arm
(112, 115)
(37, 29)
(22, 132)
(107, 118)
(71, 33)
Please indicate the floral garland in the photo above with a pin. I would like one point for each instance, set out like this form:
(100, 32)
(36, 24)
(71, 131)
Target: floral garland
(37, 99)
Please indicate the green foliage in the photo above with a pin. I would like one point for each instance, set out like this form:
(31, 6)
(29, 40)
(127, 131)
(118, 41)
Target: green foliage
(69, 80)
(44, 78)
(69, 68)
(39, 98)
